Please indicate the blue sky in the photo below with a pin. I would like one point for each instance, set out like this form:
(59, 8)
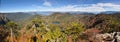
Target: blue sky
(59, 5)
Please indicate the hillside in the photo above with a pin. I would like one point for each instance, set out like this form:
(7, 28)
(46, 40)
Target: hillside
(67, 17)
(19, 16)
(105, 22)
(3, 20)
(58, 26)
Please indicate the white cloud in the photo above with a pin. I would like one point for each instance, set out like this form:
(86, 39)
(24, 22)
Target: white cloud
(78, 8)
(99, 7)
(114, 6)
(47, 3)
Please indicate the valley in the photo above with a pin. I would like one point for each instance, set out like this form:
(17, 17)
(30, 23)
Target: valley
(59, 27)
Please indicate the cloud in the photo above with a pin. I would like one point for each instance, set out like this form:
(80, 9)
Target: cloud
(47, 3)
(110, 5)
(99, 7)
(78, 8)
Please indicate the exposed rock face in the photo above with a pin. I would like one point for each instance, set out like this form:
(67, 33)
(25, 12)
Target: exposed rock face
(94, 35)
(109, 37)
(3, 20)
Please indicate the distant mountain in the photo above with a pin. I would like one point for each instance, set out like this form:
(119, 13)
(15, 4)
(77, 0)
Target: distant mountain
(45, 13)
(109, 12)
(77, 12)
(19, 16)
(41, 13)
(64, 18)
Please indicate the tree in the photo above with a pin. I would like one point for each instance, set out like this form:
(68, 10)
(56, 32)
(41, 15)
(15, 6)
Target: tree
(36, 23)
(55, 35)
(73, 30)
(12, 26)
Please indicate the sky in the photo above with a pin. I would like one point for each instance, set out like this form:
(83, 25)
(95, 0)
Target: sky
(59, 5)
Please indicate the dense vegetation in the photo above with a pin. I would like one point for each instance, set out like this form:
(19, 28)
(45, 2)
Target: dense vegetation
(57, 27)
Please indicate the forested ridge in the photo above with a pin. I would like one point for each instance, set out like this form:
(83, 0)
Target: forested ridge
(58, 27)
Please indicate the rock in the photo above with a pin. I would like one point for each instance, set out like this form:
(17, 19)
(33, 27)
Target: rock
(109, 37)
(3, 19)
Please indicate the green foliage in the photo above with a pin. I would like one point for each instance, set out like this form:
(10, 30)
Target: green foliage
(14, 27)
(68, 26)
(74, 29)
(114, 25)
(11, 24)
(55, 35)
(36, 20)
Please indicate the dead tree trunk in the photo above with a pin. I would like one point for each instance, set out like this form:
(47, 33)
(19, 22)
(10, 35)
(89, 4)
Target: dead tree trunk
(11, 34)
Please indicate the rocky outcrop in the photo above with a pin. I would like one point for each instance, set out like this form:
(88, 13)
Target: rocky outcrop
(109, 37)
(95, 35)
(3, 19)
